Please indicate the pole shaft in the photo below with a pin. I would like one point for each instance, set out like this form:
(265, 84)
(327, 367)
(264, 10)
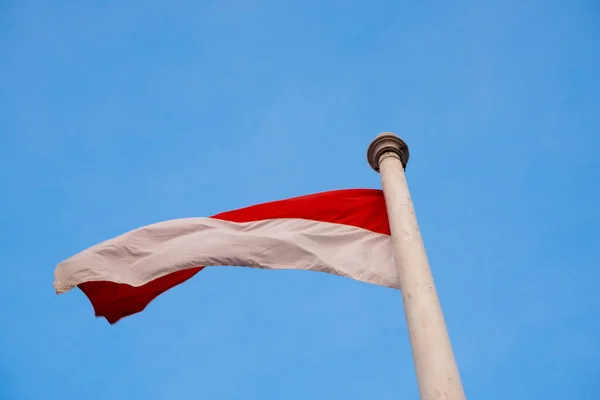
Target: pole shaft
(436, 369)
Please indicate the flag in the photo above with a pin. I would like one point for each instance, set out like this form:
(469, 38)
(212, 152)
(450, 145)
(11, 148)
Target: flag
(342, 232)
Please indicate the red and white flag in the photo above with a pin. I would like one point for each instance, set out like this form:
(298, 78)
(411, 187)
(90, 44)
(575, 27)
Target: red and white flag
(343, 232)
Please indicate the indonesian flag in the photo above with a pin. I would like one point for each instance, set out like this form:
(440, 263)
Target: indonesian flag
(342, 232)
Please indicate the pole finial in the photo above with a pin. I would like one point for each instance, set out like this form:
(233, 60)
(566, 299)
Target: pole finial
(383, 143)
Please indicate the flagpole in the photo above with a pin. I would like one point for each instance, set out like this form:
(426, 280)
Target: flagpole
(435, 366)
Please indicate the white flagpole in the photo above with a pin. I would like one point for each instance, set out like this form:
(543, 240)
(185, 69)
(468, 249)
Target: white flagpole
(436, 369)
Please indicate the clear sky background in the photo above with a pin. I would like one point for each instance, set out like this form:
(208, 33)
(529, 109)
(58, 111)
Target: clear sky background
(118, 115)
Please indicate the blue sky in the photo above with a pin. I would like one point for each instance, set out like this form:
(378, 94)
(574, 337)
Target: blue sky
(117, 115)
